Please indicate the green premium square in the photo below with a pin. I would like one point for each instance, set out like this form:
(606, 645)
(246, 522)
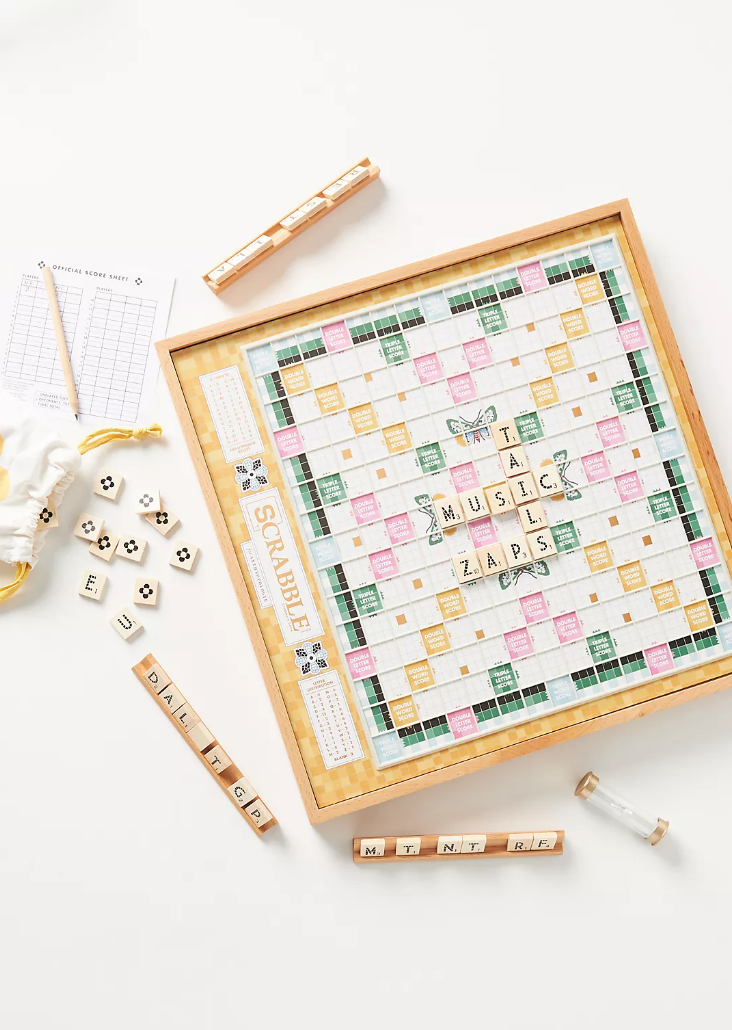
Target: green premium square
(309, 495)
(485, 295)
(431, 458)
(364, 331)
(565, 536)
(601, 647)
(372, 689)
(368, 599)
(662, 506)
(387, 325)
(394, 348)
(529, 427)
(584, 678)
(607, 671)
(485, 710)
(502, 678)
(300, 468)
(510, 703)
(493, 319)
(332, 489)
(626, 397)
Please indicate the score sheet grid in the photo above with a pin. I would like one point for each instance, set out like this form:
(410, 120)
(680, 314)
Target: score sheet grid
(376, 416)
(110, 321)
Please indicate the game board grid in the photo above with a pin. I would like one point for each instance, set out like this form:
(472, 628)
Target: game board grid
(351, 633)
(331, 787)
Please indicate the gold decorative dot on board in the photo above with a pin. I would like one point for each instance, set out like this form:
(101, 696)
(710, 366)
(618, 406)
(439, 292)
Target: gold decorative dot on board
(515, 362)
(401, 620)
(577, 412)
(530, 327)
(464, 670)
(593, 598)
(381, 473)
(480, 634)
(647, 540)
(627, 617)
(357, 541)
(368, 376)
(347, 454)
(636, 452)
(614, 520)
(592, 377)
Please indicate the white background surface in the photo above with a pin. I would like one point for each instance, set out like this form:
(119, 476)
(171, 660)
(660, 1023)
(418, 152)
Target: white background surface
(131, 894)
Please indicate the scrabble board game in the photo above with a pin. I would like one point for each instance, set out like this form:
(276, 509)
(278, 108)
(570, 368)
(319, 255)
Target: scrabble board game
(467, 512)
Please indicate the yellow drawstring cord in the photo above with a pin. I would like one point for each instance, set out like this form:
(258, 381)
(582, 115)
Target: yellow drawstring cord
(96, 439)
(102, 436)
(22, 570)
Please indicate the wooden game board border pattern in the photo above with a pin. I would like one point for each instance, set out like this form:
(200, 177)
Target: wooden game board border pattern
(454, 847)
(329, 793)
(296, 221)
(205, 746)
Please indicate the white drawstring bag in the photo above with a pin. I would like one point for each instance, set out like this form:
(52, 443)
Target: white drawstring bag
(36, 469)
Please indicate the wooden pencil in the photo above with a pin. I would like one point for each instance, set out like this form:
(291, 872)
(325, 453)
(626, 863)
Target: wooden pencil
(63, 351)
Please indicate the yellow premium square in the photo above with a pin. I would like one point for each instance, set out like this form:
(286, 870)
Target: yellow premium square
(363, 419)
(397, 438)
(590, 289)
(329, 399)
(419, 675)
(631, 576)
(451, 603)
(545, 392)
(699, 616)
(435, 639)
(599, 557)
(403, 711)
(665, 596)
(560, 358)
(295, 379)
(575, 324)
(358, 781)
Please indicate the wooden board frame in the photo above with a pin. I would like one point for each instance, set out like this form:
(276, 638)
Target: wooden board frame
(706, 680)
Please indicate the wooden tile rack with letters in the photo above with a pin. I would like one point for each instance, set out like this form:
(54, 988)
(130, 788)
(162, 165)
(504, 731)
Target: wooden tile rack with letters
(204, 745)
(433, 847)
(286, 229)
(568, 315)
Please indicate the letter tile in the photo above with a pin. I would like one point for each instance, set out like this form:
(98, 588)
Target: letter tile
(523, 489)
(449, 845)
(473, 843)
(125, 623)
(474, 505)
(548, 481)
(372, 847)
(544, 841)
(157, 678)
(146, 591)
(147, 500)
(184, 555)
(542, 544)
(218, 759)
(242, 791)
(492, 559)
(108, 484)
(48, 519)
(532, 517)
(408, 845)
(131, 547)
(514, 462)
(201, 735)
(448, 511)
(467, 567)
(188, 719)
(258, 813)
(105, 546)
(520, 842)
(164, 521)
(505, 434)
(517, 552)
(171, 697)
(92, 585)
(88, 527)
(499, 498)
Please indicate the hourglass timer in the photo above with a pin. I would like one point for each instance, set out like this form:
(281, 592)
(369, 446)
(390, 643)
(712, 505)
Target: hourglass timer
(639, 819)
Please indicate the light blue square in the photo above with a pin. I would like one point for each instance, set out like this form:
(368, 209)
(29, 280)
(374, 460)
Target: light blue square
(604, 255)
(435, 307)
(325, 552)
(562, 690)
(262, 359)
(669, 445)
(388, 747)
(724, 632)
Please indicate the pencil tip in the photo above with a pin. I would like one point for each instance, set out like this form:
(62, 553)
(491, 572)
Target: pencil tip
(76, 417)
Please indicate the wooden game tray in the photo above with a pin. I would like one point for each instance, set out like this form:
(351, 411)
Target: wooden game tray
(329, 792)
